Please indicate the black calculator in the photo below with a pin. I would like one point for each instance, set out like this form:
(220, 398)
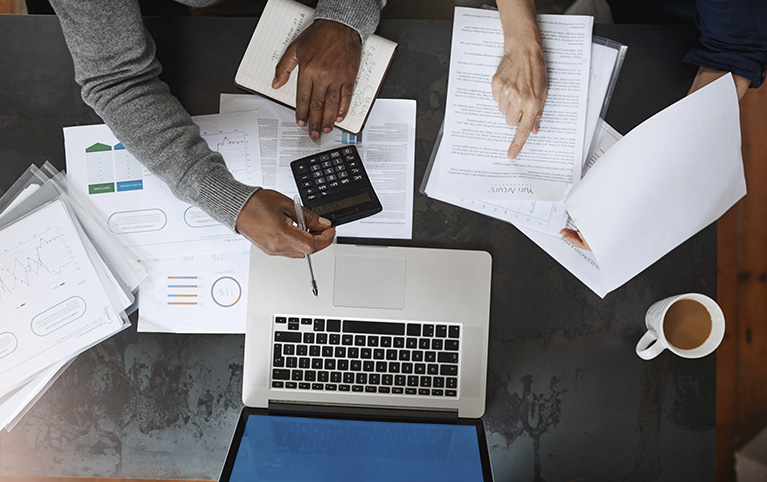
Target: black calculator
(334, 185)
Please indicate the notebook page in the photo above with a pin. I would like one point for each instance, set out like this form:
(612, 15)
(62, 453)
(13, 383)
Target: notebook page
(281, 23)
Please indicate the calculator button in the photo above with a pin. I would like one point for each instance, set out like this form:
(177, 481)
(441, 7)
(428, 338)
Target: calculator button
(340, 168)
(324, 193)
(306, 184)
(356, 178)
(305, 177)
(329, 170)
(338, 161)
(353, 164)
(327, 164)
(300, 167)
(311, 197)
(343, 174)
(350, 158)
(345, 180)
(347, 150)
(333, 184)
(317, 174)
(321, 180)
(355, 171)
(332, 177)
(324, 157)
(334, 154)
(322, 187)
(311, 190)
(315, 167)
(313, 160)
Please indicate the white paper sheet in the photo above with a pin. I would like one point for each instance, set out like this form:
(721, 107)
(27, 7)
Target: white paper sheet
(196, 294)
(667, 179)
(386, 146)
(142, 206)
(477, 138)
(600, 72)
(53, 300)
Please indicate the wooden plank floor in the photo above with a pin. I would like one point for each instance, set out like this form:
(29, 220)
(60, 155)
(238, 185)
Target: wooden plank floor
(742, 292)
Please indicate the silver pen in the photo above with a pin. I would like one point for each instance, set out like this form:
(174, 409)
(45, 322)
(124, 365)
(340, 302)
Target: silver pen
(302, 226)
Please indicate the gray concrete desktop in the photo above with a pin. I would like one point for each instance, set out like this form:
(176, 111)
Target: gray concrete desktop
(567, 397)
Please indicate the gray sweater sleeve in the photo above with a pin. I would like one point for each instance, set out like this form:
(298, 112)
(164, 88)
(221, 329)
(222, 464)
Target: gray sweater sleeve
(114, 59)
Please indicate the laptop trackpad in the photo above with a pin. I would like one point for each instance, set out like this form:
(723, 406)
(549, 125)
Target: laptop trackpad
(370, 282)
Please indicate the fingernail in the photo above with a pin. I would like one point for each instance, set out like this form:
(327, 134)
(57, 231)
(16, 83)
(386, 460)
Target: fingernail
(339, 118)
(326, 130)
(314, 135)
(325, 221)
(301, 123)
(274, 84)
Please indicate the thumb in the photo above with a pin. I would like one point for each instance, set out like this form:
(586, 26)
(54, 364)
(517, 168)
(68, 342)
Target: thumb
(314, 222)
(284, 67)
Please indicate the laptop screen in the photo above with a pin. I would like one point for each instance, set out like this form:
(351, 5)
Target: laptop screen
(298, 448)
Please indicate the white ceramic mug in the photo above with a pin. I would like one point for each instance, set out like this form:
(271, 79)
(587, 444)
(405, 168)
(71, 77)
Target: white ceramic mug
(655, 316)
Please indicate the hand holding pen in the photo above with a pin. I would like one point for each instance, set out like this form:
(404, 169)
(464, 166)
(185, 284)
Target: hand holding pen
(302, 227)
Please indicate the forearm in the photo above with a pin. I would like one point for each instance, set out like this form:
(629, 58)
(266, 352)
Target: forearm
(520, 26)
(118, 71)
(361, 15)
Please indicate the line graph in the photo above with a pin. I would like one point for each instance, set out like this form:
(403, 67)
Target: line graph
(233, 146)
(37, 261)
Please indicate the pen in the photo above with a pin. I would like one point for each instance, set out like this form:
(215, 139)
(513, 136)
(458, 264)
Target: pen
(302, 226)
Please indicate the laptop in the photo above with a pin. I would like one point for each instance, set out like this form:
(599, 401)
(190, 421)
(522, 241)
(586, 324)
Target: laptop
(397, 339)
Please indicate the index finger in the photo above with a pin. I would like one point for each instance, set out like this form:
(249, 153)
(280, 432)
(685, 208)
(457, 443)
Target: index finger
(523, 132)
(303, 98)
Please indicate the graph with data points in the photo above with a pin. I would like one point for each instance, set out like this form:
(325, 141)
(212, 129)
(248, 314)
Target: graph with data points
(39, 261)
(234, 147)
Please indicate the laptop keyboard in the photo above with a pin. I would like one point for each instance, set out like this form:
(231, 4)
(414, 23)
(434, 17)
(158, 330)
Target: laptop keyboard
(355, 356)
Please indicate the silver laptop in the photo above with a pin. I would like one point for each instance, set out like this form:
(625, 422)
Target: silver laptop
(392, 327)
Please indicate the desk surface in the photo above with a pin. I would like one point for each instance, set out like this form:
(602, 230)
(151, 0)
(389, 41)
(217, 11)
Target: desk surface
(567, 397)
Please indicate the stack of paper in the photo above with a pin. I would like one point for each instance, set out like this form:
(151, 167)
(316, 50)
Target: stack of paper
(198, 277)
(65, 283)
(635, 205)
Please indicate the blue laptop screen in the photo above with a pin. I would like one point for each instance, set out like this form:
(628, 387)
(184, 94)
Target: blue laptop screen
(278, 448)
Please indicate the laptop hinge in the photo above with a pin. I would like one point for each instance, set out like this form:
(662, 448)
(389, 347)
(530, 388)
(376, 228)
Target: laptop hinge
(382, 411)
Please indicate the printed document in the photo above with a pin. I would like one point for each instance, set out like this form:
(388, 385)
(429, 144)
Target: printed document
(140, 207)
(386, 146)
(196, 294)
(477, 138)
(54, 302)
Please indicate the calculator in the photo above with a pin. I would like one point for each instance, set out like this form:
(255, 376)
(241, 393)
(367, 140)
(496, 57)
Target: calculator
(334, 185)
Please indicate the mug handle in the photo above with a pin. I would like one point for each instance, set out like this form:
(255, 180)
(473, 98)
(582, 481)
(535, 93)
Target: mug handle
(642, 349)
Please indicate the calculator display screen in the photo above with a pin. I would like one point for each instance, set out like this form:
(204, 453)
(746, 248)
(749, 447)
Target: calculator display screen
(340, 204)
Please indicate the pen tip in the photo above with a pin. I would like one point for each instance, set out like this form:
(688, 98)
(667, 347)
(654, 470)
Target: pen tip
(314, 290)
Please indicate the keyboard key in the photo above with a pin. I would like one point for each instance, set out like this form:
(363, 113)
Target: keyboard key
(304, 386)
(439, 382)
(353, 353)
(317, 386)
(297, 375)
(291, 362)
(393, 367)
(314, 350)
(437, 392)
(451, 345)
(411, 391)
(366, 353)
(291, 385)
(278, 361)
(413, 329)
(384, 389)
(417, 355)
(327, 351)
(347, 340)
(306, 321)
(426, 382)
(397, 390)
(289, 350)
(330, 364)
(278, 374)
(278, 384)
(287, 337)
(412, 343)
(331, 387)
(448, 370)
(441, 331)
(424, 391)
(317, 363)
(374, 327)
(359, 340)
(452, 383)
(399, 380)
(436, 344)
(335, 339)
(391, 354)
(387, 379)
(292, 319)
(302, 350)
(424, 343)
(309, 338)
(343, 365)
(451, 393)
(370, 389)
(357, 388)
(404, 355)
(378, 354)
(348, 377)
(430, 356)
(280, 319)
(407, 368)
(374, 379)
(432, 369)
(448, 357)
(319, 325)
(340, 352)
(303, 362)
(335, 377)
(420, 368)
(454, 331)
(412, 381)
(386, 341)
(372, 341)
(428, 330)
(344, 388)
(322, 338)
(356, 366)
(361, 378)
(310, 375)
(322, 376)
(399, 342)
(334, 325)
(381, 367)
(368, 366)
(292, 325)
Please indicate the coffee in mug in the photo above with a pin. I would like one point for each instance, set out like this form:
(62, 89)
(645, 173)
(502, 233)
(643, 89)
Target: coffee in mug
(689, 325)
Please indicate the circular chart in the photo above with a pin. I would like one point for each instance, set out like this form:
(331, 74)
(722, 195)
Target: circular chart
(226, 291)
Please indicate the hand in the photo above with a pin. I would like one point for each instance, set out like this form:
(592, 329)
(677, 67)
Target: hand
(519, 85)
(706, 76)
(328, 55)
(267, 219)
(575, 238)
